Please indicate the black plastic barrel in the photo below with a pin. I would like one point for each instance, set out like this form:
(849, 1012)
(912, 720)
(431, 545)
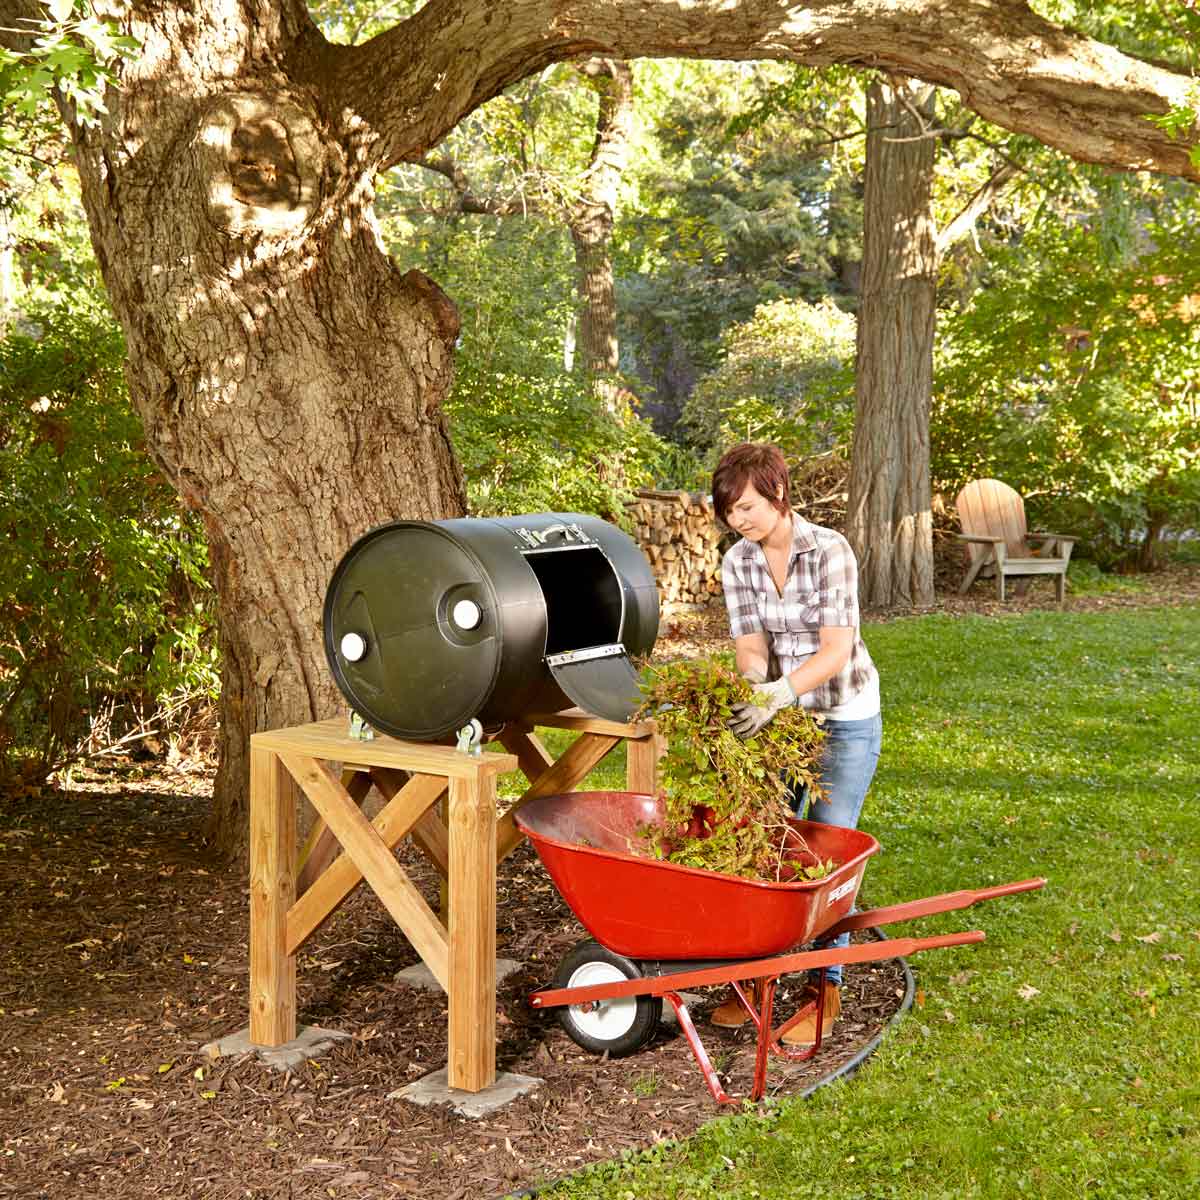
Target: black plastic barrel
(429, 624)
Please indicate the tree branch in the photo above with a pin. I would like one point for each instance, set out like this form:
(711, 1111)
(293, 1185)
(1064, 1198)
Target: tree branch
(974, 208)
(469, 201)
(416, 81)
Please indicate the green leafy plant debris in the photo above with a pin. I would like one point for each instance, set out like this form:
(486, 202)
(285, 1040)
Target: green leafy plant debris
(726, 801)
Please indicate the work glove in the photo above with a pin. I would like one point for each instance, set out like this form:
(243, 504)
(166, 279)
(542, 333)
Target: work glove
(753, 676)
(748, 718)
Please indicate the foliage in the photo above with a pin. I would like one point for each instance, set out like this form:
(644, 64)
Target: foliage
(1060, 1057)
(536, 442)
(102, 592)
(786, 376)
(725, 798)
(528, 433)
(725, 218)
(1075, 377)
(72, 53)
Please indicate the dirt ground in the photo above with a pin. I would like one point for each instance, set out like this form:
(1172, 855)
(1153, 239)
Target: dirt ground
(125, 950)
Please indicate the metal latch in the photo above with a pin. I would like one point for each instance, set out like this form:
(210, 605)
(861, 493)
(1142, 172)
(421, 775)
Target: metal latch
(585, 655)
(536, 538)
(360, 731)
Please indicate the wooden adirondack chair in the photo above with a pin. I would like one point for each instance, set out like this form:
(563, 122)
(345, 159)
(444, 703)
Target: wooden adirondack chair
(998, 542)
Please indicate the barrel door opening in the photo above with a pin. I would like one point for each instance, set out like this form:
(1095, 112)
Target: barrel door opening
(428, 624)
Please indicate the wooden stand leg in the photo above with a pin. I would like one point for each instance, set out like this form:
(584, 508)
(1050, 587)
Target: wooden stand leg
(641, 763)
(472, 929)
(272, 893)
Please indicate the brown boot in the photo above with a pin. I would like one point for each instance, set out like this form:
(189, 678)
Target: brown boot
(730, 1014)
(804, 1032)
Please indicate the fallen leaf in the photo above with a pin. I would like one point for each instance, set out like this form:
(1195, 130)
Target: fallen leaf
(1114, 935)
(961, 978)
(1172, 958)
(56, 1095)
(140, 1103)
(948, 1015)
(1027, 991)
(1151, 938)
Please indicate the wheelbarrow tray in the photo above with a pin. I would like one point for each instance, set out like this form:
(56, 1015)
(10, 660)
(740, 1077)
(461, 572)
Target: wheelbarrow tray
(646, 909)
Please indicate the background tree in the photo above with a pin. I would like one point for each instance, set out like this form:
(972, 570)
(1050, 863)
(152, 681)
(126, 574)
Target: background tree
(890, 518)
(289, 379)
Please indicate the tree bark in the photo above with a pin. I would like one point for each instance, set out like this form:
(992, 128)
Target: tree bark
(889, 518)
(289, 377)
(591, 219)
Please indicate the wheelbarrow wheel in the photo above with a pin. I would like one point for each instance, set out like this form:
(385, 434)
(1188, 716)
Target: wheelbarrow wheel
(619, 1026)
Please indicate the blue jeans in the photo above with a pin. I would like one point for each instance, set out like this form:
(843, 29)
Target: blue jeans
(847, 767)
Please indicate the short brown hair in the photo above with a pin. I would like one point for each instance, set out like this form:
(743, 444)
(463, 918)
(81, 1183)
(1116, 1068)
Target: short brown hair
(756, 463)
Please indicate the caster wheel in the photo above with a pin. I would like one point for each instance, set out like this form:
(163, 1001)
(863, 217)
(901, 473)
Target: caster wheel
(619, 1026)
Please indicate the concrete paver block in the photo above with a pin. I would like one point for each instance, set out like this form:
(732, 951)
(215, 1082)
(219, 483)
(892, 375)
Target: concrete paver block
(433, 1089)
(420, 976)
(310, 1042)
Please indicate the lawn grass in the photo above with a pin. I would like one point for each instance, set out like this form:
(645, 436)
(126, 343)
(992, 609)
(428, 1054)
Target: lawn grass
(1061, 1057)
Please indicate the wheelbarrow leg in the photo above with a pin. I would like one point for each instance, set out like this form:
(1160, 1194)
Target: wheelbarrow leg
(775, 1036)
(764, 1036)
(698, 1052)
(768, 1039)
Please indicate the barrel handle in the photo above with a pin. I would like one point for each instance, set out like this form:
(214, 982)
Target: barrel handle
(541, 536)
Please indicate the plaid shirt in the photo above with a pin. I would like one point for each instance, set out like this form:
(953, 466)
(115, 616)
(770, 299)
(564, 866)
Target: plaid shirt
(821, 589)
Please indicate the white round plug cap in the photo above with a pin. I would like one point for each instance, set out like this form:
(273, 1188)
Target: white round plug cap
(466, 614)
(353, 646)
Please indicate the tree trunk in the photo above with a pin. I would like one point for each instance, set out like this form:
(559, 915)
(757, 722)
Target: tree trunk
(889, 520)
(289, 377)
(591, 220)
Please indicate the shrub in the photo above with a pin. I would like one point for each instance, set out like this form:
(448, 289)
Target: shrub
(1073, 378)
(103, 599)
(787, 377)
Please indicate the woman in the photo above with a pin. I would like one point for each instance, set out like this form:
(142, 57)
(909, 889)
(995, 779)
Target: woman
(791, 589)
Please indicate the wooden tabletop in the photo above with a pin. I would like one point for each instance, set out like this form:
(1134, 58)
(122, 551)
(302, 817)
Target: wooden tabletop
(331, 740)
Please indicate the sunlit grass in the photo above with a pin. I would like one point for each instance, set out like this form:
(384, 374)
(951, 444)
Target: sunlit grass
(1061, 1057)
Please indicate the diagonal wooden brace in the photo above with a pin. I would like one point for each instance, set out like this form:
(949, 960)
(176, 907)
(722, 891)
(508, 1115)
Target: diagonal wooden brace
(372, 860)
(561, 776)
(429, 830)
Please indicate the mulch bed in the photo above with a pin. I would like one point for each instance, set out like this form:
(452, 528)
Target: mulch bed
(125, 950)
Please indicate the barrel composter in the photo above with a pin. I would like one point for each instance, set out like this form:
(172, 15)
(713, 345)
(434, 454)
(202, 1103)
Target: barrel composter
(429, 625)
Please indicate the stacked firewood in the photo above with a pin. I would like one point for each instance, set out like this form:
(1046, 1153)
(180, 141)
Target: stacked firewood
(679, 535)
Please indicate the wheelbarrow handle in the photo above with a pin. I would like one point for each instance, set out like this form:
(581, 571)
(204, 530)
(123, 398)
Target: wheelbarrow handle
(948, 902)
(753, 968)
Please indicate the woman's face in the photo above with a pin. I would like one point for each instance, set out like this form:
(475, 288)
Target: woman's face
(753, 515)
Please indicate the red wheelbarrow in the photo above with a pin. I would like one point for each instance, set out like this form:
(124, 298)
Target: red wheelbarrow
(658, 928)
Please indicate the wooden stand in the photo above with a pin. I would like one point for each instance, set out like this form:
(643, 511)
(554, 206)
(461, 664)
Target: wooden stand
(293, 892)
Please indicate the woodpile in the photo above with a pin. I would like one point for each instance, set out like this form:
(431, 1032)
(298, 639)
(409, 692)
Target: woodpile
(678, 533)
